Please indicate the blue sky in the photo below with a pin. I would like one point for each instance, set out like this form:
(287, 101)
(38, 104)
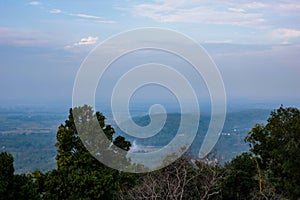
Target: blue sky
(255, 44)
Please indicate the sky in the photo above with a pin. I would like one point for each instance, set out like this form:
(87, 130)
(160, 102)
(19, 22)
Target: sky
(255, 44)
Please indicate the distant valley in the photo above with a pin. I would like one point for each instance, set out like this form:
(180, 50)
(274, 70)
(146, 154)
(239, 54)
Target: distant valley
(30, 134)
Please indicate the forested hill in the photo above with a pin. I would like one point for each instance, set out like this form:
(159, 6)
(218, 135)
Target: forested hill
(231, 142)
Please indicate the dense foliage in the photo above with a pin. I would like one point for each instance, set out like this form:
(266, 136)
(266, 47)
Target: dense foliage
(15, 186)
(78, 174)
(277, 147)
(269, 171)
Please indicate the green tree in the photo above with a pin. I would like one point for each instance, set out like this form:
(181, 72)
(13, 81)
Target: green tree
(277, 147)
(14, 186)
(79, 175)
(24, 187)
(6, 175)
(240, 178)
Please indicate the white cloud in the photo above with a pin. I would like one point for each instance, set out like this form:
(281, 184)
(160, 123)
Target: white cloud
(106, 21)
(55, 11)
(285, 33)
(80, 15)
(240, 10)
(93, 17)
(197, 12)
(87, 41)
(84, 41)
(35, 3)
(86, 16)
(255, 14)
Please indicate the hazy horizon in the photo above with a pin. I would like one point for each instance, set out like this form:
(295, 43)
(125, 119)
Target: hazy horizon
(255, 46)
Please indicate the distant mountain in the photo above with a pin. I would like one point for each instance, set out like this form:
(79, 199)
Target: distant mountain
(230, 144)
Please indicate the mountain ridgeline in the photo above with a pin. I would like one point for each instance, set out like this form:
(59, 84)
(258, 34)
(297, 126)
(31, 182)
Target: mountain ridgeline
(230, 144)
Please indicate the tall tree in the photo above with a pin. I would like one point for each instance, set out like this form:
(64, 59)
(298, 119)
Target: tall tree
(240, 178)
(79, 175)
(14, 186)
(6, 175)
(277, 147)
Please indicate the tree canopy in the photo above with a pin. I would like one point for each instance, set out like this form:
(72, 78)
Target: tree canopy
(79, 174)
(277, 146)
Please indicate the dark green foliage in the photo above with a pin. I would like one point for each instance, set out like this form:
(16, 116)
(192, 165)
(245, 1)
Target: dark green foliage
(240, 178)
(14, 186)
(6, 175)
(277, 144)
(122, 143)
(71, 151)
(79, 175)
(24, 188)
(6, 166)
(81, 184)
